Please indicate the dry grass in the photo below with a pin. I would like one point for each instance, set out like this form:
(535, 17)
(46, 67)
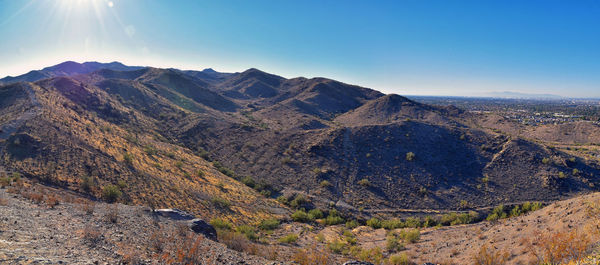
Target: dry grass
(186, 250)
(112, 213)
(51, 200)
(488, 256)
(91, 235)
(312, 256)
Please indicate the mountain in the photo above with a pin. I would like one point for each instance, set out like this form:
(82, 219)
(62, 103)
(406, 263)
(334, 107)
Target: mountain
(333, 142)
(66, 69)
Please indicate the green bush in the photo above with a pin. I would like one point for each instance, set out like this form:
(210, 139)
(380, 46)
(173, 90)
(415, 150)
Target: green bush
(221, 203)
(412, 222)
(247, 231)
(298, 201)
(248, 181)
(410, 156)
(128, 158)
(301, 216)
(392, 224)
(289, 239)
(393, 244)
(352, 224)
(399, 259)
(111, 193)
(410, 236)
(221, 224)
(374, 222)
(334, 220)
(429, 222)
(315, 214)
(336, 246)
(269, 224)
(546, 160)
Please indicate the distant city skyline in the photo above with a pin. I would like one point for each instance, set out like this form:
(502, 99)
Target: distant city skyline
(448, 48)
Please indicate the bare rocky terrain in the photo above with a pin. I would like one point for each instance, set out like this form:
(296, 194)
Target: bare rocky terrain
(87, 232)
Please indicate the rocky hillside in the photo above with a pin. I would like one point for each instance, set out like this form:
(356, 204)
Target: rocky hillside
(154, 130)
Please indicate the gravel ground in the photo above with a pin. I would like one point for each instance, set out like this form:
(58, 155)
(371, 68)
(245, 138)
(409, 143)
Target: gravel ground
(35, 233)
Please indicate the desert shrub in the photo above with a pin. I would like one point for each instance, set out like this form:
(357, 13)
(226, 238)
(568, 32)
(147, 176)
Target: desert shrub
(393, 243)
(289, 239)
(248, 181)
(301, 216)
(282, 199)
(575, 171)
(530, 206)
(247, 231)
(228, 172)
(561, 175)
(334, 218)
(545, 161)
(4, 181)
(88, 207)
(465, 218)
(488, 256)
(336, 246)
(312, 256)
(111, 193)
(325, 184)
(220, 202)
(410, 236)
(568, 247)
(410, 156)
(351, 224)
(364, 182)
(315, 214)
(150, 150)
(128, 158)
(429, 222)
(497, 213)
(373, 255)
(298, 201)
(91, 235)
(186, 250)
(51, 201)
(413, 222)
(220, 224)
(391, 224)
(34, 196)
(87, 183)
(112, 213)
(399, 259)
(374, 223)
(269, 224)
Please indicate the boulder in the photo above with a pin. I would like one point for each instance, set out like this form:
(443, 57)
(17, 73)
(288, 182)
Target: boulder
(199, 226)
(355, 262)
(174, 214)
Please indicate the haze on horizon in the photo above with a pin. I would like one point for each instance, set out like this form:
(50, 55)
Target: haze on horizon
(455, 48)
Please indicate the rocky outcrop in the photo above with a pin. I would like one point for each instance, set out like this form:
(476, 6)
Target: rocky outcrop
(197, 225)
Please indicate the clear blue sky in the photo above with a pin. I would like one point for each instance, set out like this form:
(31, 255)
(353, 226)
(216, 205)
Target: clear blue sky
(407, 47)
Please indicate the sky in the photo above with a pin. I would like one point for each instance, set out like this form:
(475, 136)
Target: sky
(420, 47)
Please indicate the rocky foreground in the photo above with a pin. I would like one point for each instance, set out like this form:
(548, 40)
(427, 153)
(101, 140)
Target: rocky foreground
(38, 226)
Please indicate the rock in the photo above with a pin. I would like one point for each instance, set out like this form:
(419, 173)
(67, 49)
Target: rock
(174, 214)
(197, 225)
(201, 227)
(355, 262)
